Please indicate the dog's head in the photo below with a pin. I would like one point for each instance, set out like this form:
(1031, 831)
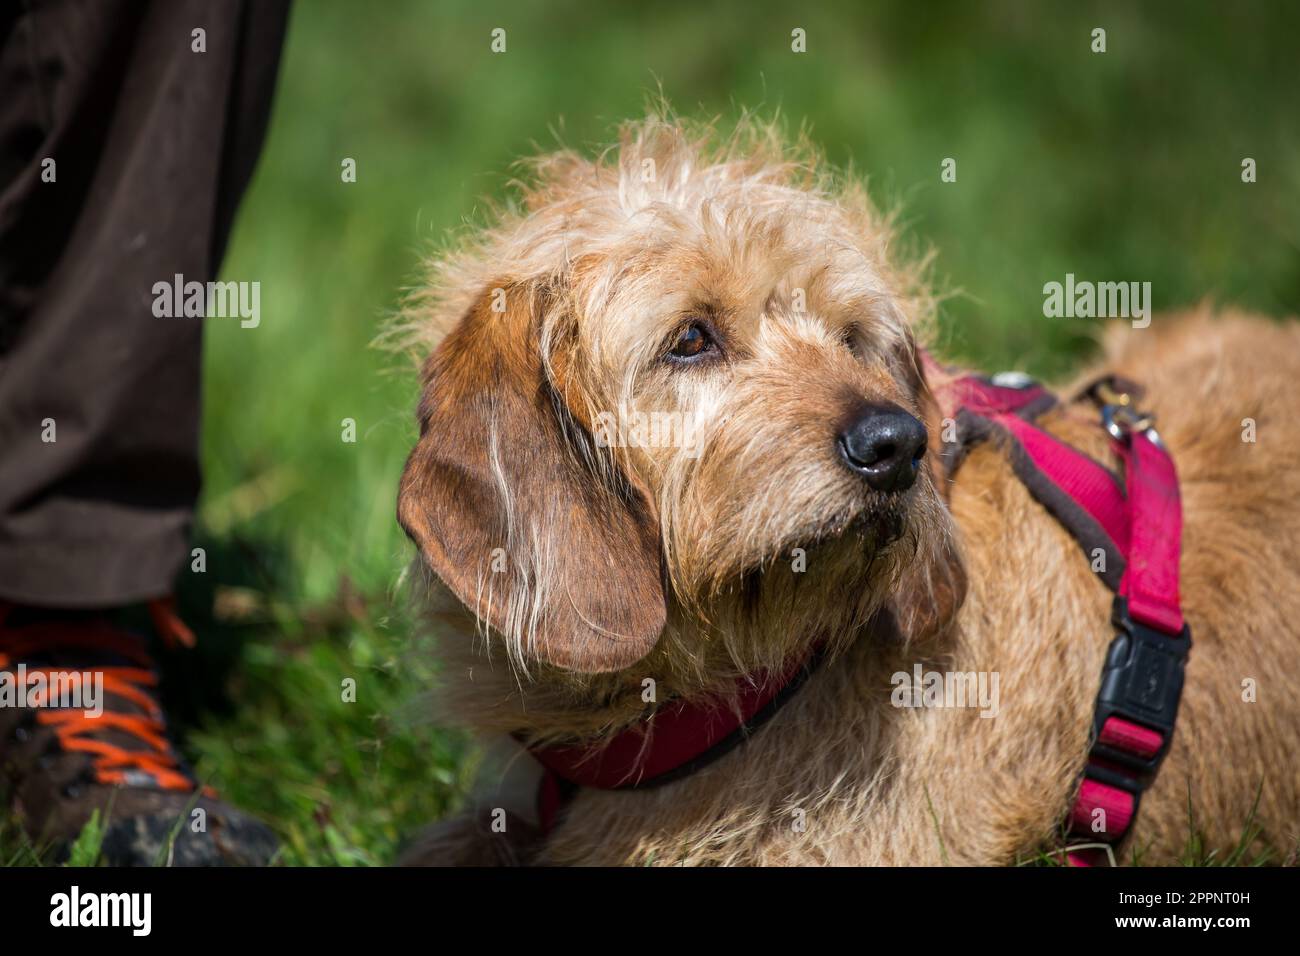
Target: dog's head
(675, 402)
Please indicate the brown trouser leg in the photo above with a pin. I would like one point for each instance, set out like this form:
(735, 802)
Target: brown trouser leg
(152, 144)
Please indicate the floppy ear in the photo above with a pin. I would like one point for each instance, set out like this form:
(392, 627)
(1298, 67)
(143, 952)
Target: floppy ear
(502, 496)
(932, 587)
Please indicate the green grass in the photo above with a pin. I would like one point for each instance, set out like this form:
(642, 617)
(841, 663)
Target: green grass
(1123, 165)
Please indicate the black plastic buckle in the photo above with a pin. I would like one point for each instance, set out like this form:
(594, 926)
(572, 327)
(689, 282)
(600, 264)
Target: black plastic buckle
(1142, 682)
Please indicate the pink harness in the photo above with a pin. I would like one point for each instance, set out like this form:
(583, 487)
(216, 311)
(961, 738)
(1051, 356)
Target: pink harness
(1137, 524)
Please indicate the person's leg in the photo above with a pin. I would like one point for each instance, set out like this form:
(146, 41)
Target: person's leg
(126, 140)
(123, 153)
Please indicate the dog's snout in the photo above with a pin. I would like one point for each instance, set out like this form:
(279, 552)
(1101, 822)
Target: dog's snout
(884, 444)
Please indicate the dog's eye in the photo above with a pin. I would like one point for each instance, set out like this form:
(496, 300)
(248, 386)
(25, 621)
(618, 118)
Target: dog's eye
(692, 342)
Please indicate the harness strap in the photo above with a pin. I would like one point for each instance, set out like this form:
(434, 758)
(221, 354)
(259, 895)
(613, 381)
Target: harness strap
(1142, 679)
(1151, 584)
(1083, 495)
(1139, 526)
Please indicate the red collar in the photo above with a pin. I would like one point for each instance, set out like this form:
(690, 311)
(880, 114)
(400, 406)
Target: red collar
(1137, 520)
(677, 739)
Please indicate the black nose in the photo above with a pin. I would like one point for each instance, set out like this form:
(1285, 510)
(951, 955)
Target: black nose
(884, 445)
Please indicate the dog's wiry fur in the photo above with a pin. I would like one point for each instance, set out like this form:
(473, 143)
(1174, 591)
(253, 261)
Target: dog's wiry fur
(570, 573)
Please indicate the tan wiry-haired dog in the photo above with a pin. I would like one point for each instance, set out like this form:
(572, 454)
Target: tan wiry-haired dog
(733, 287)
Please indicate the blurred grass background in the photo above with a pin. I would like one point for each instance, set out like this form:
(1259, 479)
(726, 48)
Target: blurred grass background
(1122, 166)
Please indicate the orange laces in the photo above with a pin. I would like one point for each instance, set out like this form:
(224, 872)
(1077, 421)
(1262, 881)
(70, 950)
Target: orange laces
(76, 729)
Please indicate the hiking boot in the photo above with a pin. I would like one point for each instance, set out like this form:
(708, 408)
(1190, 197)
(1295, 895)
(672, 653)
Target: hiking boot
(60, 760)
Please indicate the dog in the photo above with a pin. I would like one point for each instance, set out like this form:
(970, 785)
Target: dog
(580, 577)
